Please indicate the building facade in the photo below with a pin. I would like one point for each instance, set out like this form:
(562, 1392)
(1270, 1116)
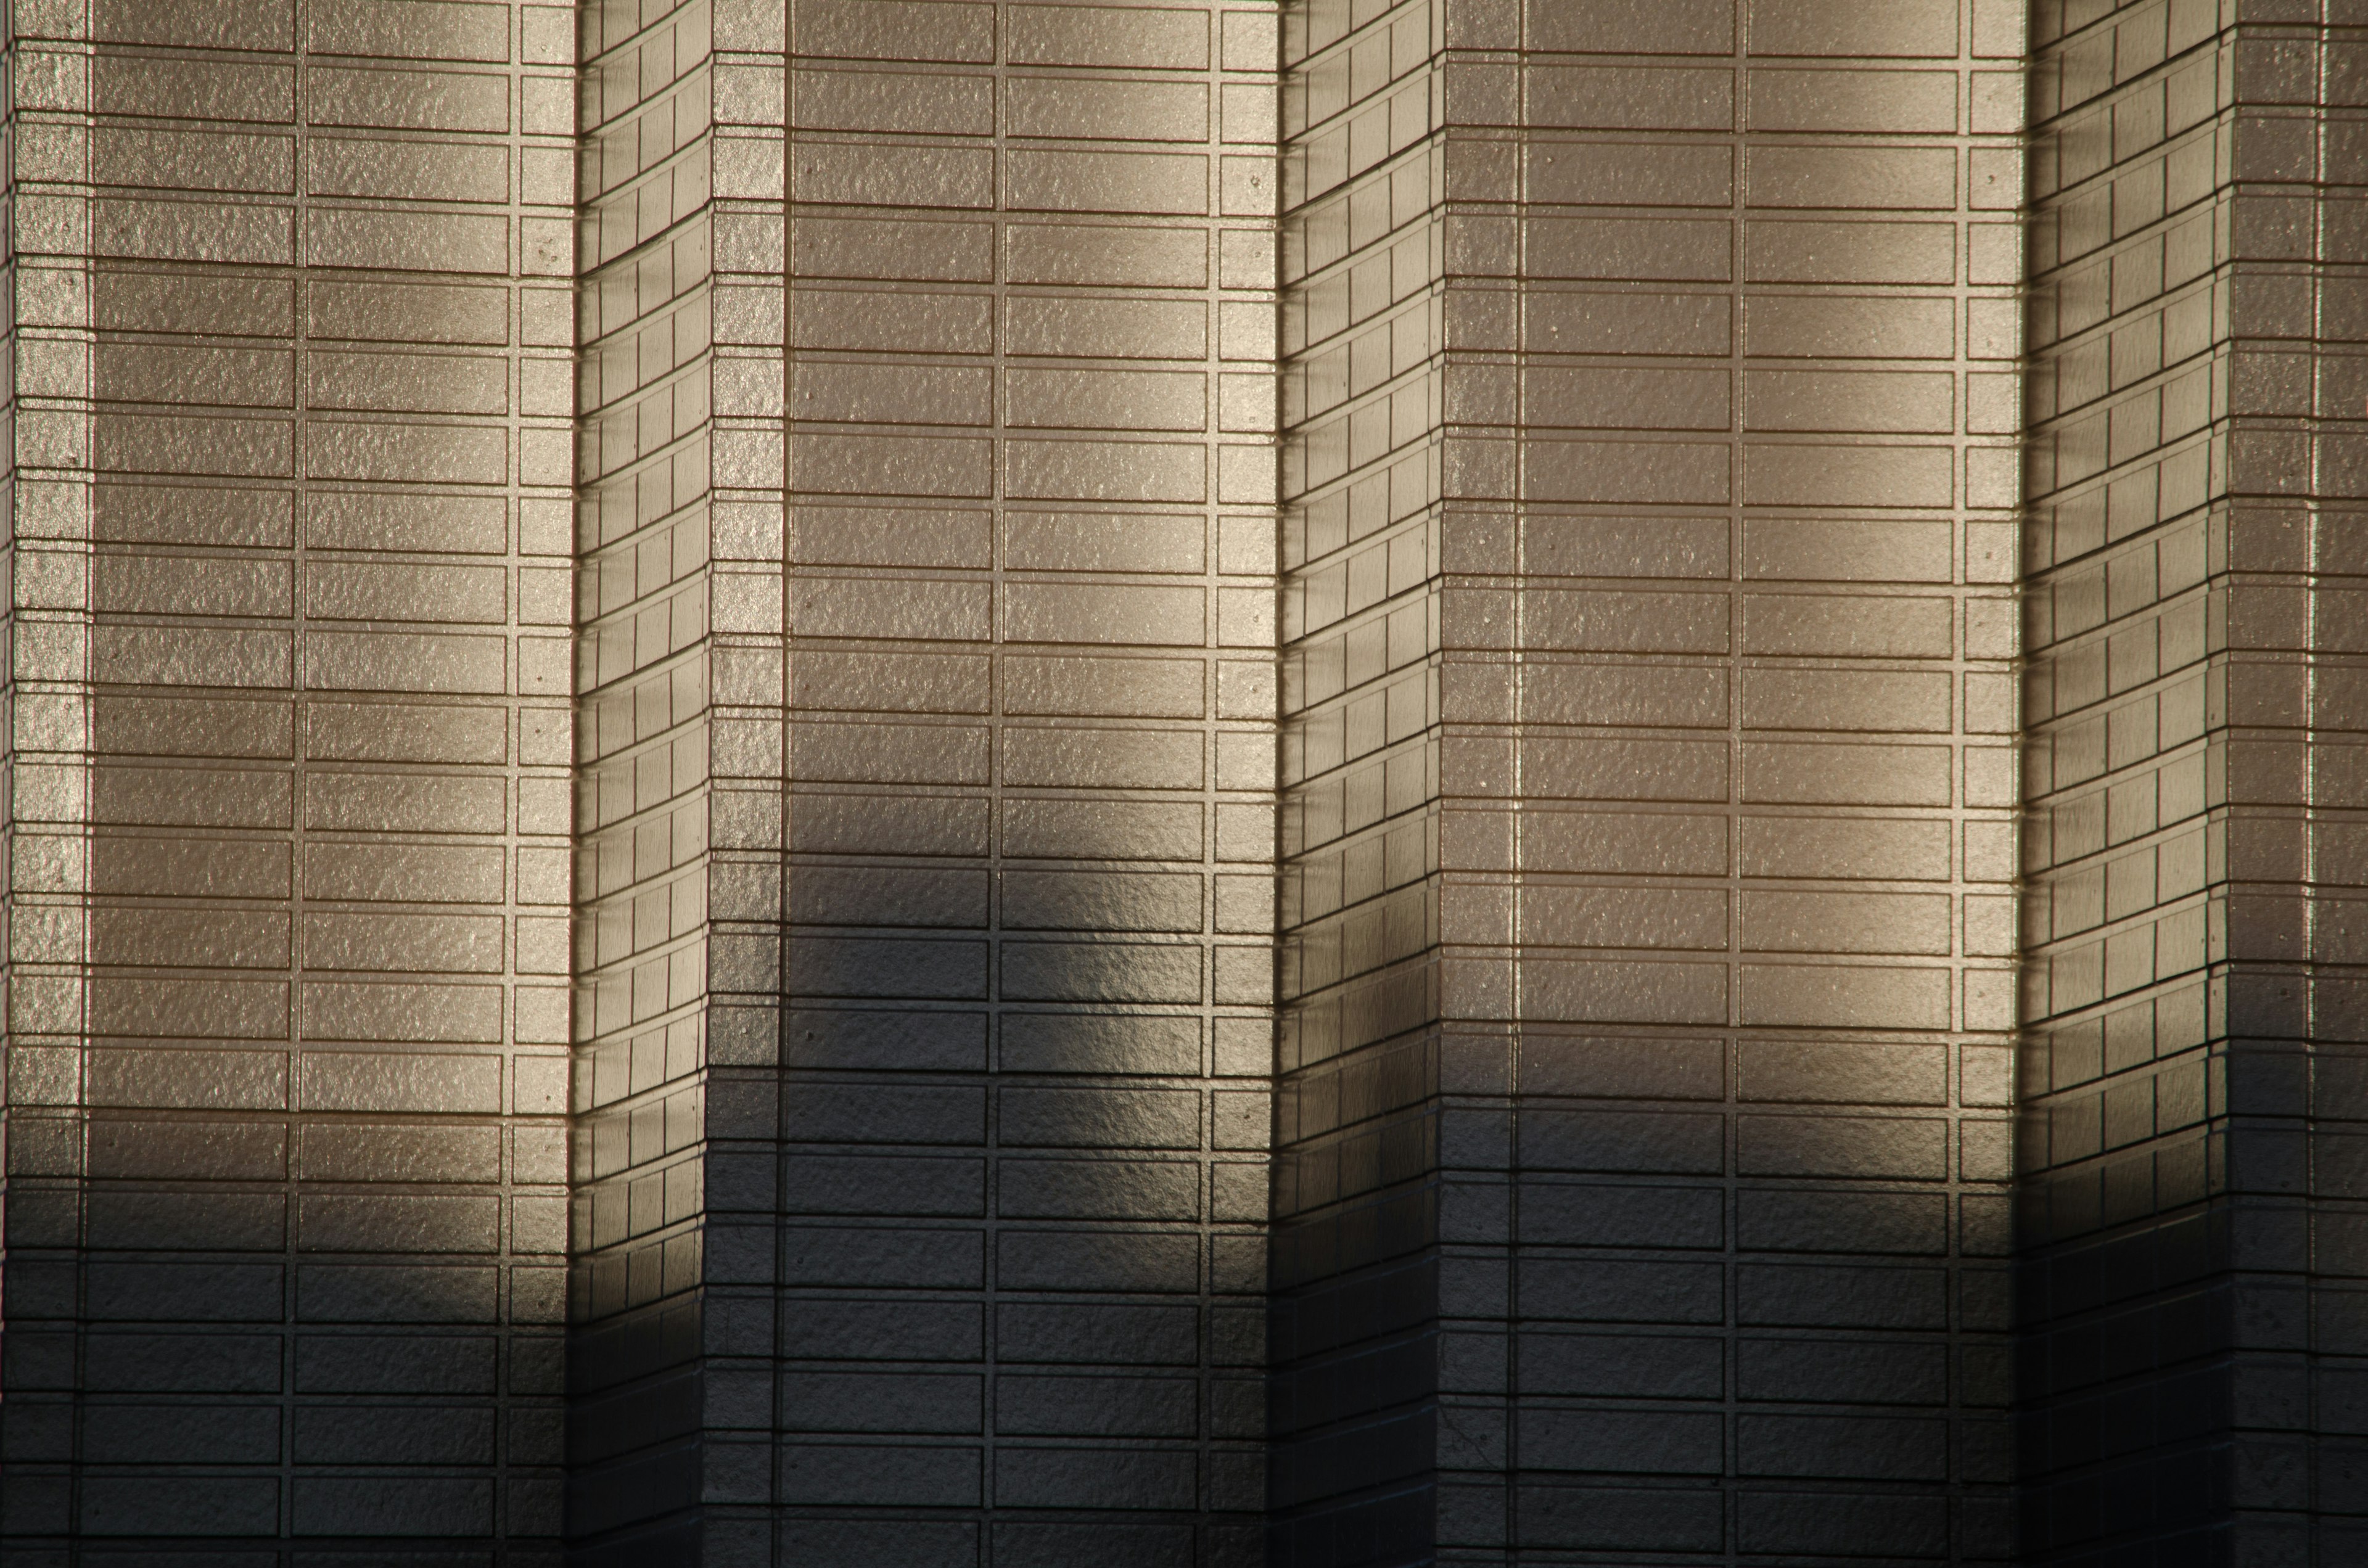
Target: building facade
(973, 784)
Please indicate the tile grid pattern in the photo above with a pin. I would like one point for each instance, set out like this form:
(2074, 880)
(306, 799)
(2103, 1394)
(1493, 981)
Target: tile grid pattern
(1031, 610)
(1845, 842)
(1648, 560)
(2190, 1080)
(645, 326)
(1723, 784)
(748, 810)
(1364, 325)
(2129, 303)
(284, 1078)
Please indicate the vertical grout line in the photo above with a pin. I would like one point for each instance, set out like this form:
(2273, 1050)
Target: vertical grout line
(85, 737)
(1737, 665)
(998, 804)
(1517, 934)
(777, 1309)
(300, 524)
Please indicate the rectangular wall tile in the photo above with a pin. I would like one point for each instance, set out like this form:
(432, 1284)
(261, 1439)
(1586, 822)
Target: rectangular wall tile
(2190, 764)
(1030, 758)
(1648, 780)
(288, 812)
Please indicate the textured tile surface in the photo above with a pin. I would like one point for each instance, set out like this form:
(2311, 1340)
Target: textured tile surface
(1648, 826)
(1625, 684)
(1030, 750)
(2191, 1085)
(677, 456)
(288, 755)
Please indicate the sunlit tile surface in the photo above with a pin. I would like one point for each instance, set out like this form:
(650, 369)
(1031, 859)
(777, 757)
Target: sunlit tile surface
(288, 1006)
(1030, 601)
(1648, 780)
(715, 707)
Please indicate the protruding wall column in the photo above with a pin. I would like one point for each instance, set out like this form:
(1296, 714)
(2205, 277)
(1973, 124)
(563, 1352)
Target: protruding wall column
(2196, 1069)
(1649, 476)
(679, 808)
(1030, 834)
(286, 1041)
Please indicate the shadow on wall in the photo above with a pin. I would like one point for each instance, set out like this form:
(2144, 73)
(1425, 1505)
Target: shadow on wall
(1001, 1141)
(1806, 1259)
(315, 1304)
(407, 1396)
(1810, 1265)
(310, 1258)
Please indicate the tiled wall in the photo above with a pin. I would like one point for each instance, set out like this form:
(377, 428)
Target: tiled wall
(679, 808)
(645, 326)
(1365, 174)
(1648, 718)
(1640, 385)
(2191, 1086)
(2130, 311)
(1029, 563)
(285, 1063)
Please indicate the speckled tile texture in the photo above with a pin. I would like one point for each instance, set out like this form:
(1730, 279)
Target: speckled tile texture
(1642, 1161)
(973, 784)
(288, 758)
(2191, 1086)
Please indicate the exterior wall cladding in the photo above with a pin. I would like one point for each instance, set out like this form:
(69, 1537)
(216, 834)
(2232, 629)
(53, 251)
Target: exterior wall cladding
(917, 784)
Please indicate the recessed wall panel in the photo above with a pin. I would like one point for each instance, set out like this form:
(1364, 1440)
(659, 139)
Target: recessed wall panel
(1030, 603)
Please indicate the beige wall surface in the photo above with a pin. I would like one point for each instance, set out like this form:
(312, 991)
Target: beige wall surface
(289, 761)
(1029, 753)
(678, 458)
(1365, 331)
(717, 710)
(2132, 547)
(1649, 470)
(2191, 1087)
